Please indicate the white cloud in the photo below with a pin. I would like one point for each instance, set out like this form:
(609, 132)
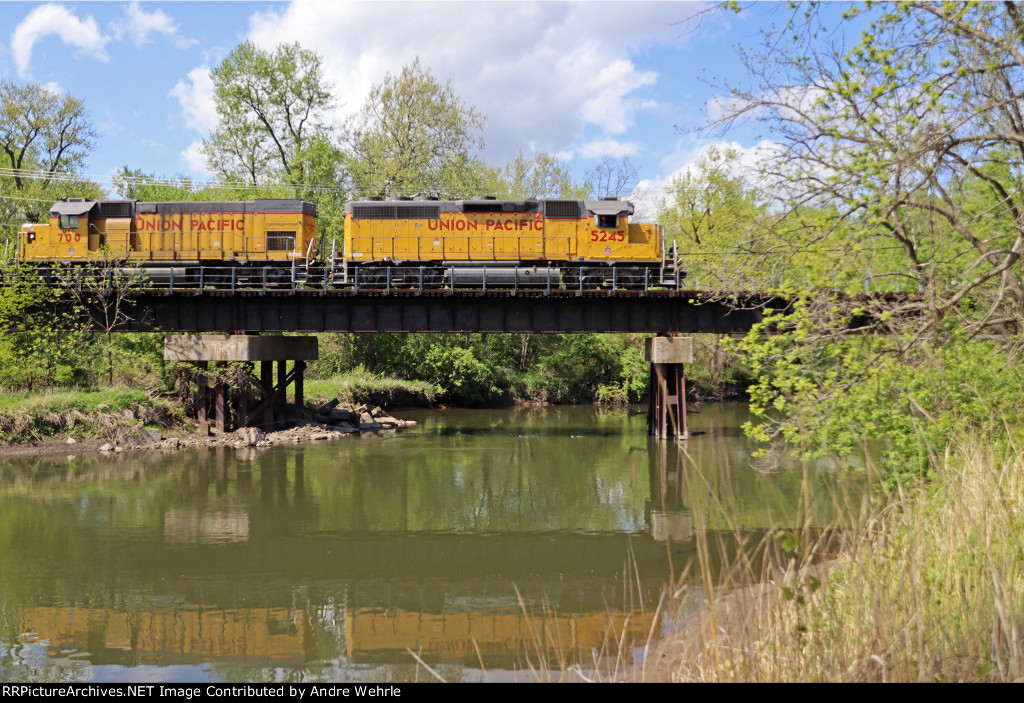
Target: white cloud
(56, 19)
(649, 192)
(610, 108)
(85, 35)
(542, 72)
(598, 148)
(194, 162)
(139, 25)
(195, 93)
(53, 87)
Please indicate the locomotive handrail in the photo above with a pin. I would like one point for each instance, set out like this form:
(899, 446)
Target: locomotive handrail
(321, 278)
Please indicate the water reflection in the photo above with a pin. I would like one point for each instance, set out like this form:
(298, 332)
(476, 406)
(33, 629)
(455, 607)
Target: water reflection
(483, 541)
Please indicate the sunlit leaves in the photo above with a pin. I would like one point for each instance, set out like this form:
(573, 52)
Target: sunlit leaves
(414, 134)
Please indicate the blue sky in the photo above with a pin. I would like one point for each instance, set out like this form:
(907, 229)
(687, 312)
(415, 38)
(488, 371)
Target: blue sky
(582, 80)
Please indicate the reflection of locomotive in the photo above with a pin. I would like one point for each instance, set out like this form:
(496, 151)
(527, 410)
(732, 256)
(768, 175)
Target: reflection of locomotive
(180, 237)
(503, 241)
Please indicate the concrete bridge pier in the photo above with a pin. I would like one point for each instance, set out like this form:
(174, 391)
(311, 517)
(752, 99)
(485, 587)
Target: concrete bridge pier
(666, 411)
(271, 407)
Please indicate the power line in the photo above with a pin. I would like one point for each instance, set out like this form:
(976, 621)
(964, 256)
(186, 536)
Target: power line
(193, 185)
(27, 200)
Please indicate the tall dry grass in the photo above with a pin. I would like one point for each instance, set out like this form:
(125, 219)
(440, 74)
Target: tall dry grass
(929, 587)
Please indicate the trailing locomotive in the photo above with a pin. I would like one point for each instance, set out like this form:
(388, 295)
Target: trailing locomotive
(503, 242)
(174, 239)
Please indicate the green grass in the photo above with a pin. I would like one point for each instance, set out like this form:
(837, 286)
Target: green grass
(359, 386)
(33, 416)
(111, 400)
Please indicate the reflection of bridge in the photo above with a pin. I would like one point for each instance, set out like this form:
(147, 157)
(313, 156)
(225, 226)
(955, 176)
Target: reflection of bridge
(211, 577)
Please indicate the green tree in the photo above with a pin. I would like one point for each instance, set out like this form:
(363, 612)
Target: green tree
(270, 104)
(134, 184)
(41, 340)
(542, 176)
(718, 221)
(44, 140)
(414, 134)
(909, 148)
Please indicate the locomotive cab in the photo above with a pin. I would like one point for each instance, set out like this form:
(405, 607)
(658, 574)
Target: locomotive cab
(70, 234)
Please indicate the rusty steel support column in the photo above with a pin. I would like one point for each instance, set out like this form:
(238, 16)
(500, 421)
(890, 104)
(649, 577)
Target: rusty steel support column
(267, 387)
(666, 411)
(243, 398)
(201, 403)
(220, 407)
(220, 393)
(300, 367)
(282, 380)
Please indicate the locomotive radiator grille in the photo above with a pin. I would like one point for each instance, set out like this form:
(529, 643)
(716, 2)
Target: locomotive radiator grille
(280, 241)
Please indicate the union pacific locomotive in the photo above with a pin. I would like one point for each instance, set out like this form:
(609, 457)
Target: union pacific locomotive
(482, 241)
(167, 238)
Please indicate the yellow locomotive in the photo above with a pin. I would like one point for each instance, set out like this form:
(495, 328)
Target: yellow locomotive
(485, 240)
(401, 241)
(163, 237)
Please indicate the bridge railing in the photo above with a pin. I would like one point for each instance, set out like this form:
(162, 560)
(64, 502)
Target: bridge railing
(384, 280)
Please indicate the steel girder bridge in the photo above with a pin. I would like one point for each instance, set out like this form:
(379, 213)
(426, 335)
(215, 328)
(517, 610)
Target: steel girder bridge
(556, 311)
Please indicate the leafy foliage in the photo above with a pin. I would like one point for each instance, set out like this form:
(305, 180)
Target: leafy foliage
(542, 176)
(414, 134)
(897, 161)
(40, 347)
(269, 106)
(478, 369)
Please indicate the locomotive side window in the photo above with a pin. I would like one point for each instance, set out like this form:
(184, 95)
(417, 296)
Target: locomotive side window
(69, 221)
(607, 221)
(280, 241)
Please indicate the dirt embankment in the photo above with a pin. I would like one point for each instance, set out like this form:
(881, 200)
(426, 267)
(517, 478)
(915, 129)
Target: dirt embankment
(329, 422)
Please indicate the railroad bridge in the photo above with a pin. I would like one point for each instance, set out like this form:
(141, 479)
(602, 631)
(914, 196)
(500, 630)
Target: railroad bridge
(244, 309)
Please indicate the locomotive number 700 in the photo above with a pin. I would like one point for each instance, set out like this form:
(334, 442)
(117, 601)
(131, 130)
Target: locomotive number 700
(599, 236)
(68, 237)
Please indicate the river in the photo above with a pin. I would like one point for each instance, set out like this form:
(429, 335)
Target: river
(479, 545)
